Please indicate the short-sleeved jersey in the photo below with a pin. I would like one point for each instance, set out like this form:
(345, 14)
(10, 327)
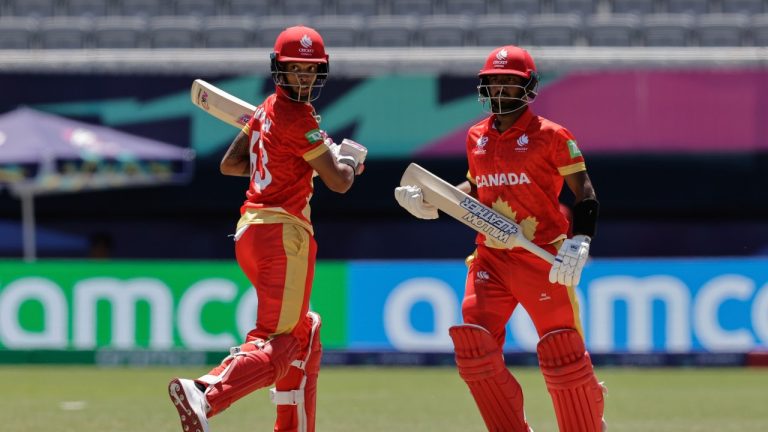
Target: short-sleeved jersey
(283, 135)
(520, 172)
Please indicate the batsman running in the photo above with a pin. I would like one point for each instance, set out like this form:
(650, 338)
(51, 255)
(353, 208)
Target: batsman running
(518, 163)
(279, 150)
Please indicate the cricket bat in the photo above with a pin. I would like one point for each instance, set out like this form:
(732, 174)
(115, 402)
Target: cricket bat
(220, 104)
(470, 211)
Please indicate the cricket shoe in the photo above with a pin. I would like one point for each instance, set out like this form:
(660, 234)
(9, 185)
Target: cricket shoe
(190, 403)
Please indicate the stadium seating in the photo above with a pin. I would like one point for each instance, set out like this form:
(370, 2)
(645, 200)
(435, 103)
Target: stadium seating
(722, 29)
(174, 32)
(667, 30)
(639, 7)
(391, 30)
(37, 8)
(340, 31)
(120, 32)
(523, 7)
(760, 30)
(399, 22)
(65, 32)
(94, 8)
(497, 30)
(553, 29)
(17, 32)
(612, 30)
(444, 30)
(229, 32)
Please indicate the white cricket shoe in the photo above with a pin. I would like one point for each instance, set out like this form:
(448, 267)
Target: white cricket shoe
(190, 403)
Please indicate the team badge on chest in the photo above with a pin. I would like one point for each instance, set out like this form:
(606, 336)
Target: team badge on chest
(480, 145)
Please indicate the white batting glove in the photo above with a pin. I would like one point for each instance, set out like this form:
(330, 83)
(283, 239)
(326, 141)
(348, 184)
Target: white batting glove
(570, 261)
(411, 199)
(352, 154)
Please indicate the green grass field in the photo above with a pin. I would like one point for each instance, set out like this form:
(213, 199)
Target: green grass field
(90, 399)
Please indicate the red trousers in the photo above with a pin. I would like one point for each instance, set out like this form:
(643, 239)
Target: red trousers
(499, 280)
(279, 260)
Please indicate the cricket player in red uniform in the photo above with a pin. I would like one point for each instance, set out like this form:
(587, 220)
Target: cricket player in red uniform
(279, 150)
(518, 163)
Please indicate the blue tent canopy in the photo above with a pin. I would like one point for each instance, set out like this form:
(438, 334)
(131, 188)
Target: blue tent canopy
(41, 153)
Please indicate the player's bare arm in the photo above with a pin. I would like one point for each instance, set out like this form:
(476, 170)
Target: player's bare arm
(336, 175)
(237, 161)
(581, 186)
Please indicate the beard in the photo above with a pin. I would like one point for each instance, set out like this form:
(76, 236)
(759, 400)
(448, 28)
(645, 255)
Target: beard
(505, 105)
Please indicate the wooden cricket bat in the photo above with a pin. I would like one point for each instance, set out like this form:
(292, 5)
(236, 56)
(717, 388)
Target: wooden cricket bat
(220, 104)
(470, 211)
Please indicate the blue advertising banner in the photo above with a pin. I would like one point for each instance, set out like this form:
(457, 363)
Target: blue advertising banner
(636, 306)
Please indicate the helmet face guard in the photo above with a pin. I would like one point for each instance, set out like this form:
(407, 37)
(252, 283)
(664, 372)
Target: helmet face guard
(294, 91)
(502, 104)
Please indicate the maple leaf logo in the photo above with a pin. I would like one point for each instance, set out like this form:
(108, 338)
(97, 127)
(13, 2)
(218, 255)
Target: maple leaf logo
(528, 224)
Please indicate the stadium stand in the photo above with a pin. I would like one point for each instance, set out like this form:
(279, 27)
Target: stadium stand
(270, 26)
(524, 7)
(411, 7)
(94, 8)
(341, 31)
(36, 8)
(722, 30)
(174, 32)
(120, 32)
(357, 7)
(65, 32)
(639, 7)
(391, 23)
(760, 30)
(500, 29)
(553, 29)
(444, 30)
(17, 32)
(229, 32)
(466, 7)
(743, 6)
(391, 30)
(612, 30)
(667, 30)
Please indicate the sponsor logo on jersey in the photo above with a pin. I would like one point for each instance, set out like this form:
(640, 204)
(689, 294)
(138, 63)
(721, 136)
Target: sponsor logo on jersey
(502, 179)
(573, 149)
(306, 44)
(522, 143)
(314, 136)
(480, 145)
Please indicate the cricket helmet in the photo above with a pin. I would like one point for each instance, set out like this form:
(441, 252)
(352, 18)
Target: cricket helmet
(304, 45)
(509, 60)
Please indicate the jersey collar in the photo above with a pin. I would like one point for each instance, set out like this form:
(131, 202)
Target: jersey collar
(520, 124)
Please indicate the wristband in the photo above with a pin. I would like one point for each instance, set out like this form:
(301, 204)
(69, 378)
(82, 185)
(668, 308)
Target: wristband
(585, 217)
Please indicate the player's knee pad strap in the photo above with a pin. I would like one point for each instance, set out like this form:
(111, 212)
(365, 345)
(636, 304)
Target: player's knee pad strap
(249, 367)
(295, 394)
(571, 381)
(481, 365)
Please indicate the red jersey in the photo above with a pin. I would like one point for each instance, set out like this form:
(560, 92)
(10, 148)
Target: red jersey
(283, 135)
(520, 172)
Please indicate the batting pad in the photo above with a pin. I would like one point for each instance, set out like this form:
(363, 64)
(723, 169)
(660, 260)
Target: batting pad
(571, 381)
(295, 394)
(255, 365)
(481, 365)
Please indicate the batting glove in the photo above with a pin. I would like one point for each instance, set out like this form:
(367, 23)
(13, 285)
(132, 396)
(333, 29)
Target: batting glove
(352, 154)
(411, 199)
(570, 261)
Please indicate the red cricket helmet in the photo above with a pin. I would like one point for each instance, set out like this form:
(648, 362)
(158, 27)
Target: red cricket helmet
(508, 60)
(299, 44)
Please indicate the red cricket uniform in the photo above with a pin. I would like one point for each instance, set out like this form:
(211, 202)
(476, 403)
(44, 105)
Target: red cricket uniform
(277, 250)
(520, 173)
